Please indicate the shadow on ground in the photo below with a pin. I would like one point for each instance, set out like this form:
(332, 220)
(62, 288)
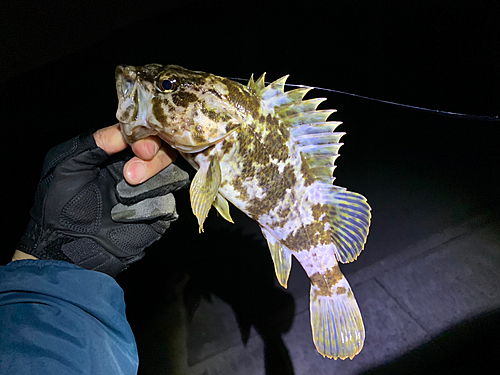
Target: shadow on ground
(185, 267)
(471, 347)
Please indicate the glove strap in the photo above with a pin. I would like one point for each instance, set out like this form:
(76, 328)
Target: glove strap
(83, 252)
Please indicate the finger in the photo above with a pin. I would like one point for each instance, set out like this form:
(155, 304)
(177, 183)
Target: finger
(110, 139)
(147, 148)
(138, 170)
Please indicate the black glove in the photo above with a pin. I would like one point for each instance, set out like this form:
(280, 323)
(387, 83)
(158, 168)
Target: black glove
(81, 216)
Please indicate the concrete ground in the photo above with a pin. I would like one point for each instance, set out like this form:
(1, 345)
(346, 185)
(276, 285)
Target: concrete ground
(424, 309)
(407, 300)
(428, 286)
(427, 283)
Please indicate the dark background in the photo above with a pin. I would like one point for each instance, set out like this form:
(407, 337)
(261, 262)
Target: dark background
(57, 60)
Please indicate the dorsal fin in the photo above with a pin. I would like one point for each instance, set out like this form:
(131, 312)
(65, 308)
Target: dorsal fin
(258, 85)
(293, 108)
(274, 94)
(314, 136)
(274, 89)
(251, 82)
(348, 213)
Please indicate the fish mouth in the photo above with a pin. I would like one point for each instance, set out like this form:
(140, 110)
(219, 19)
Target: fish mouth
(132, 132)
(134, 108)
(182, 145)
(188, 149)
(125, 79)
(185, 144)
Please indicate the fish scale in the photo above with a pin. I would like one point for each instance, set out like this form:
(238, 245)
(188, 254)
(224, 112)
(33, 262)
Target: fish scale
(272, 155)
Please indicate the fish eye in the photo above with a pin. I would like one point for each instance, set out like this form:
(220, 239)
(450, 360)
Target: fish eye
(167, 84)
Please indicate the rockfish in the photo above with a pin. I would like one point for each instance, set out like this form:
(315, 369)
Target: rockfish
(272, 155)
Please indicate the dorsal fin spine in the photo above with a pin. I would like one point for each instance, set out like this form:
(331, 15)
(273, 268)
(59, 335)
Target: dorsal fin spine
(274, 89)
(251, 82)
(260, 84)
(292, 108)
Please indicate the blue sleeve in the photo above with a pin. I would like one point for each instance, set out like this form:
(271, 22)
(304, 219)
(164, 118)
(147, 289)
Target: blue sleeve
(57, 318)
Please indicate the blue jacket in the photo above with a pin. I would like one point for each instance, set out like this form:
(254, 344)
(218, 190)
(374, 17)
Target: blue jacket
(57, 318)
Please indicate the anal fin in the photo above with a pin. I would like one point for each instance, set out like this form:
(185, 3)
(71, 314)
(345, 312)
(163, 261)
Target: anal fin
(282, 258)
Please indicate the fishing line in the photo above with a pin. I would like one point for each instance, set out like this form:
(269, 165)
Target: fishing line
(435, 111)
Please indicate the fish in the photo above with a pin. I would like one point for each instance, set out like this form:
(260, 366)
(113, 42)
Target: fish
(271, 153)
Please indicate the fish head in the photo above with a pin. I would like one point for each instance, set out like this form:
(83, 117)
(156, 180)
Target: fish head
(189, 110)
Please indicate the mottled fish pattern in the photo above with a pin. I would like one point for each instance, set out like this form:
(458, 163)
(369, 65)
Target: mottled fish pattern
(270, 153)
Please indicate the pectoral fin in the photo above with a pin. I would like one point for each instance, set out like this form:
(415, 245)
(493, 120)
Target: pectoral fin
(222, 207)
(282, 258)
(204, 189)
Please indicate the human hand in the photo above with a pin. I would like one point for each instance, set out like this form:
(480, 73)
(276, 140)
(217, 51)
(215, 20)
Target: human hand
(152, 155)
(85, 213)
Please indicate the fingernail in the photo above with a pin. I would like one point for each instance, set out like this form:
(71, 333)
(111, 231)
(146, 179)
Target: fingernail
(136, 172)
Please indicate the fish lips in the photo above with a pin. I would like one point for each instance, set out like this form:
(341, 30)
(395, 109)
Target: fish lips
(134, 100)
(185, 144)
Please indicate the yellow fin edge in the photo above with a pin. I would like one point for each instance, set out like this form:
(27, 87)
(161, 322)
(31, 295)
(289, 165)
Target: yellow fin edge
(222, 207)
(282, 258)
(204, 190)
(337, 325)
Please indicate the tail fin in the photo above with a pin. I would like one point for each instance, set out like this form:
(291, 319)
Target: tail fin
(336, 322)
